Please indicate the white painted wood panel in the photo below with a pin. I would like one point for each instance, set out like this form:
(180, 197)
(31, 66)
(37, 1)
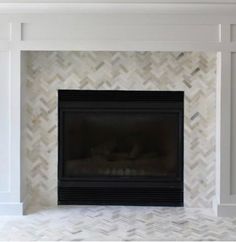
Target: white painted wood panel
(4, 31)
(75, 31)
(233, 32)
(233, 124)
(4, 122)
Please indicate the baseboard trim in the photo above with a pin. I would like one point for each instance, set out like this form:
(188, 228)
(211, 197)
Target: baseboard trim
(12, 209)
(224, 209)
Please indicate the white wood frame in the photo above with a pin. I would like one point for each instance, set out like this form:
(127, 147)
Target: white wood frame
(156, 26)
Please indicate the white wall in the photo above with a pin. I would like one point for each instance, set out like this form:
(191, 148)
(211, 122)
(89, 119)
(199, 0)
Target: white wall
(4, 122)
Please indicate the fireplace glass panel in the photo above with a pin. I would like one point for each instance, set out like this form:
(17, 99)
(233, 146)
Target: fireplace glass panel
(125, 143)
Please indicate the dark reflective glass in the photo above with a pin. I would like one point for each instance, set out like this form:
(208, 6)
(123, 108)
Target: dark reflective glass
(120, 143)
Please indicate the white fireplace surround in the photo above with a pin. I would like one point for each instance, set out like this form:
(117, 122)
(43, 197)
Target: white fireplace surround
(116, 25)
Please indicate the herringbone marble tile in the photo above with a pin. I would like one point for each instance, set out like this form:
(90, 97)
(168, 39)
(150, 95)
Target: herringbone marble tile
(109, 223)
(195, 73)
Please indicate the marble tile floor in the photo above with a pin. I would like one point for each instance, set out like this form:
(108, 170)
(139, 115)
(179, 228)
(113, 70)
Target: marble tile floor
(106, 223)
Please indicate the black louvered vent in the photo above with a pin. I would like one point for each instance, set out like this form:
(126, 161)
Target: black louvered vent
(121, 196)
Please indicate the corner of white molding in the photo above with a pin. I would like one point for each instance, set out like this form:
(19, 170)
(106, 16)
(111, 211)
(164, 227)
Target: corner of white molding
(224, 209)
(11, 209)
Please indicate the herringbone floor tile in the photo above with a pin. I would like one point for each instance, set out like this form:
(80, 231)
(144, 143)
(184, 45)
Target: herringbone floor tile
(117, 223)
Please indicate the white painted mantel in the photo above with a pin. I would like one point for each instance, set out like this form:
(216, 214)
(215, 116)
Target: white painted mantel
(151, 25)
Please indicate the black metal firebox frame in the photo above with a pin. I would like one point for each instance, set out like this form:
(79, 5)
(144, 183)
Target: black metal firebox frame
(152, 191)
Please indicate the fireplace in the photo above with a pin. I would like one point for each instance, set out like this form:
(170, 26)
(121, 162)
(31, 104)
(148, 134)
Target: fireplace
(120, 147)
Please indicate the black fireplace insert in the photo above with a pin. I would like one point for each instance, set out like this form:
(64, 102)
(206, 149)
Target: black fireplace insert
(120, 147)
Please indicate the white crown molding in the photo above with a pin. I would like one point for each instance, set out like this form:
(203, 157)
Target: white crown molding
(124, 1)
(214, 7)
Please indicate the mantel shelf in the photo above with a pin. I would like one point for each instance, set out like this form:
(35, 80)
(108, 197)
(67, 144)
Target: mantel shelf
(220, 7)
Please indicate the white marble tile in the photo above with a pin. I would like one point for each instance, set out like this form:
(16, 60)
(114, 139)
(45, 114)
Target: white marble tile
(192, 72)
(117, 223)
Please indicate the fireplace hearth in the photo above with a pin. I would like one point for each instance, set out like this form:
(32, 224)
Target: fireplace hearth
(120, 147)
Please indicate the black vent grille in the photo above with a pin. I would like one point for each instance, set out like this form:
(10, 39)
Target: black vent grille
(121, 196)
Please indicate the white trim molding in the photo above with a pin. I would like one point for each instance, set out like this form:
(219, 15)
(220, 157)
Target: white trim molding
(11, 209)
(224, 209)
(213, 7)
